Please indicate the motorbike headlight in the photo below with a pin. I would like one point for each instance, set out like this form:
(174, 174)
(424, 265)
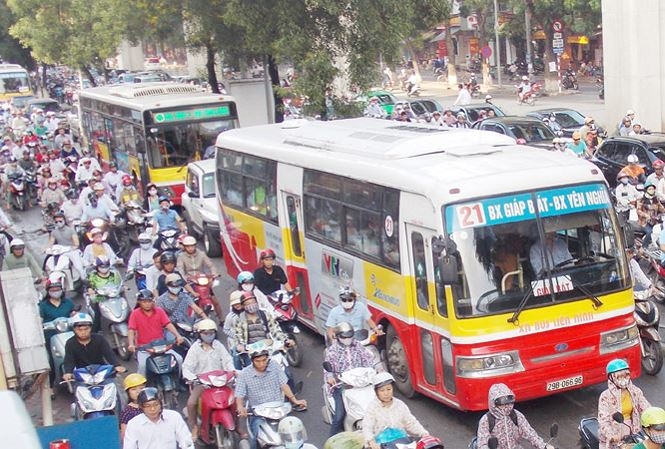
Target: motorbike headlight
(62, 325)
(273, 410)
(618, 340)
(489, 365)
(97, 223)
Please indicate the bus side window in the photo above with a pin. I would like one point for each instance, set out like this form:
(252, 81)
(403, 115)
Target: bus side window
(441, 300)
(420, 269)
(293, 225)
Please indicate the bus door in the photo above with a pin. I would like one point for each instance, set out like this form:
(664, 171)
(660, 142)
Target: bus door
(429, 307)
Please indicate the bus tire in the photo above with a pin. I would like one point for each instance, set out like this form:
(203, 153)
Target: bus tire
(211, 243)
(188, 223)
(398, 365)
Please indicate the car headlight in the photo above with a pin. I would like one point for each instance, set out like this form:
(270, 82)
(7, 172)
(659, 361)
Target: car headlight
(617, 340)
(489, 365)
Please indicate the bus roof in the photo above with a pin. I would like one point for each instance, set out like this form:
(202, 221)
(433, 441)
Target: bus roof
(148, 96)
(413, 157)
(11, 68)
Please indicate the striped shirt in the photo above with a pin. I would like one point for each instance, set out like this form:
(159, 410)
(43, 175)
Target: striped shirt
(260, 388)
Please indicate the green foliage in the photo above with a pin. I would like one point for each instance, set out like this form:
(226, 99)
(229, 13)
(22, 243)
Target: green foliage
(10, 49)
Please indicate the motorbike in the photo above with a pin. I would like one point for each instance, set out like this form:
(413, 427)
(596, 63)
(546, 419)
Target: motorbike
(656, 272)
(474, 87)
(115, 309)
(31, 187)
(271, 414)
(588, 429)
(600, 84)
(287, 318)
(217, 409)
(569, 80)
(57, 345)
(163, 371)
(412, 89)
(647, 317)
(357, 393)
(59, 261)
(168, 240)
(96, 394)
(17, 191)
(493, 442)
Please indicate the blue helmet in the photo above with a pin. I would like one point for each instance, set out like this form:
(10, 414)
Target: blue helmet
(616, 365)
(245, 276)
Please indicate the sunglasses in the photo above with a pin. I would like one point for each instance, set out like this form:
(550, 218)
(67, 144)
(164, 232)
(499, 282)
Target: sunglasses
(348, 299)
(505, 400)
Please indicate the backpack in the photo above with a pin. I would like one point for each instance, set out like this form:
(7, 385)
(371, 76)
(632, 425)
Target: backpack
(491, 419)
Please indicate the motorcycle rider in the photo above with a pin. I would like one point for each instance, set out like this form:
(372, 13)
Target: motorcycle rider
(133, 385)
(98, 248)
(152, 198)
(621, 395)
(156, 427)
(18, 257)
(84, 171)
(26, 162)
(102, 276)
(87, 348)
(167, 261)
(351, 311)
(52, 194)
(345, 354)
(463, 96)
(374, 109)
(126, 192)
(96, 209)
(653, 425)
(141, 258)
(626, 194)
(105, 199)
(176, 302)
(386, 411)
(269, 277)
(634, 169)
(192, 261)
(658, 179)
(206, 354)
(62, 234)
(578, 146)
(505, 423)
(166, 218)
(649, 211)
(72, 207)
(146, 324)
(260, 383)
(235, 306)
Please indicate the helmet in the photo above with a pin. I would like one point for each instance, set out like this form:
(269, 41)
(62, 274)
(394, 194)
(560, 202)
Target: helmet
(588, 120)
(653, 416)
(245, 276)
(246, 296)
(189, 240)
(133, 380)
(429, 442)
(632, 159)
(59, 214)
(167, 257)
(267, 254)
(102, 261)
(206, 325)
(488, 97)
(623, 174)
(259, 351)
(630, 112)
(648, 184)
(235, 297)
(113, 164)
(95, 231)
(174, 280)
(577, 135)
(71, 193)
(126, 180)
(164, 198)
(144, 237)
(344, 330)
(616, 365)
(382, 379)
(56, 282)
(16, 242)
(525, 78)
(556, 140)
(80, 319)
(658, 163)
(346, 293)
(148, 394)
(145, 295)
(98, 187)
(292, 431)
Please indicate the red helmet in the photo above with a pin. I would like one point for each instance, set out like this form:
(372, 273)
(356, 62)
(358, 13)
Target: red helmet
(267, 254)
(429, 442)
(126, 180)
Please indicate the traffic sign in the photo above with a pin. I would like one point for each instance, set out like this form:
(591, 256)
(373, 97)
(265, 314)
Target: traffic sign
(557, 26)
(557, 43)
(558, 50)
(557, 35)
(486, 51)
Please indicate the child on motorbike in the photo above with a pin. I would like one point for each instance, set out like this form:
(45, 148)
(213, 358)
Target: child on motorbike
(653, 424)
(133, 385)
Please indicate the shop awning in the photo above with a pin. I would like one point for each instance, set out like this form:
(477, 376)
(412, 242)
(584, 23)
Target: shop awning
(539, 35)
(583, 40)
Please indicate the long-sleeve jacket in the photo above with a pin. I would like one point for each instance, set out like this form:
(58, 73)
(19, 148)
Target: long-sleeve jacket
(396, 415)
(197, 262)
(648, 210)
(610, 403)
(241, 332)
(199, 360)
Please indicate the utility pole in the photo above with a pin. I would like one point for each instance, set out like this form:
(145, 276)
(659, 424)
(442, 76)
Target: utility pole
(527, 25)
(497, 46)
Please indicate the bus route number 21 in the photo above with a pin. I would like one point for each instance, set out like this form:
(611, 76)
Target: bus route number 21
(470, 215)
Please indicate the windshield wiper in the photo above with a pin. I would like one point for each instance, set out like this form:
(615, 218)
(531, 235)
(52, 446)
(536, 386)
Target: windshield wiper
(515, 318)
(594, 299)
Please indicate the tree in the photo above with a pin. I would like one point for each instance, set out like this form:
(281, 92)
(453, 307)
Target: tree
(11, 49)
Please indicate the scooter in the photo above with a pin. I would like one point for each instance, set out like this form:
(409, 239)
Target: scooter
(163, 371)
(17, 191)
(217, 409)
(202, 284)
(647, 317)
(31, 187)
(115, 310)
(412, 90)
(96, 394)
(588, 429)
(57, 345)
(569, 80)
(493, 442)
(287, 318)
(357, 393)
(59, 261)
(655, 271)
(168, 240)
(271, 414)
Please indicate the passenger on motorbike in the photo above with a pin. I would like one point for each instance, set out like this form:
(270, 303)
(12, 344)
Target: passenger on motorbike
(206, 354)
(387, 411)
(192, 261)
(623, 396)
(351, 311)
(95, 209)
(176, 302)
(142, 257)
(102, 276)
(626, 195)
(269, 277)
(146, 324)
(87, 348)
(235, 302)
(113, 179)
(658, 179)
(152, 273)
(649, 212)
(68, 149)
(98, 248)
(72, 207)
(52, 194)
(152, 198)
(133, 385)
(260, 383)
(505, 423)
(653, 425)
(18, 257)
(246, 284)
(126, 192)
(344, 354)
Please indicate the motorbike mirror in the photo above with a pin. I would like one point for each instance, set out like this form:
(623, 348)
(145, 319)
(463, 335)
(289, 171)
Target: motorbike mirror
(493, 443)
(618, 417)
(327, 366)
(554, 430)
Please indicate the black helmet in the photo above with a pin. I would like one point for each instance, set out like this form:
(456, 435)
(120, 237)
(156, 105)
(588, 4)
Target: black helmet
(59, 214)
(167, 257)
(145, 295)
(71, 193)
(164, 198)
(148, 394)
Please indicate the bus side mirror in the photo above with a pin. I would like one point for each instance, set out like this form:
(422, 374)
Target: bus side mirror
(449, 269)
(627, 228)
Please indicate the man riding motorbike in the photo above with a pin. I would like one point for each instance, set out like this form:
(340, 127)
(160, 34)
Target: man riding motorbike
(192, 261)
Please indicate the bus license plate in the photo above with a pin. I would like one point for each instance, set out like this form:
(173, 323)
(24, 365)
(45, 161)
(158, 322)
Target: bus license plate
(564, 383)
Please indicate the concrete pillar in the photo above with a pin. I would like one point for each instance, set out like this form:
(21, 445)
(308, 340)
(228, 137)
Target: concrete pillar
(634, 61)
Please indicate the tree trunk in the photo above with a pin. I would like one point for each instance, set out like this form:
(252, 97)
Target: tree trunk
(89, 75)
(273, 71)
(210, 66)
(450, 49)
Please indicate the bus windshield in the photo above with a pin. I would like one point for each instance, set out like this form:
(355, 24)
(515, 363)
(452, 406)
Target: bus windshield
(511, 254)
(14, 82)
(180, 143)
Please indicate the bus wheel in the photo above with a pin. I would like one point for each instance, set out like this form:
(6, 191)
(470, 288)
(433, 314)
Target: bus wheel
(211, 243)
(398, 364)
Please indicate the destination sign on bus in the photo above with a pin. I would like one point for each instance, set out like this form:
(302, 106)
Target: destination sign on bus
(191, 114)
(513, 208)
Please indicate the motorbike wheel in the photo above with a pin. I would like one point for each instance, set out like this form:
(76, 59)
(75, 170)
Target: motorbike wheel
(398, 364)
(531, 100)
(20, 202)
(652, 361)
(123, 352)
(224, 438)
(575, 85)
(294, 353)
(659, 287)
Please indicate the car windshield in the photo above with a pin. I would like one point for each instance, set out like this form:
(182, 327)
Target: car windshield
(569, 119)
(508, 253)
(209, 185)
(178, 144)
(531, 132)
(11, 83)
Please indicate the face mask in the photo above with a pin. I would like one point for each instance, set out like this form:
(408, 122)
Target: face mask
(252, 308)
(60, 224)
(657, 437)
(505, 409)
(175, 290)
(52, 186)
(56, 294)
(622, 383)
(146, 246)
(103, 270)
(348, 305)
(624, 181)
(345, 341)
(152, 192)
(208, 338)
(248, 287)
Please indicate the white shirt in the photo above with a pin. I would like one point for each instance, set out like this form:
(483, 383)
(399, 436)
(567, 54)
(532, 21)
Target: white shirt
(141, 258)
(463, 97)
(151, 277)
(72, 211)
(112, 180)
(199, 360)
(169, 432)
(397, 415)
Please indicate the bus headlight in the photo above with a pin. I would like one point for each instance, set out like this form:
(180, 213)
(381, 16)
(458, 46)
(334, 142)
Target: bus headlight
(489, 365)
(617, 340)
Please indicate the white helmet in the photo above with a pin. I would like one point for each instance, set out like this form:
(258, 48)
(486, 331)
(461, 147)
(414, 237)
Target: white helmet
(206, 325)
(80, 319)
(292, 431)
(16, 242)
(382, 379)
(632, 159)
(525, 78)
